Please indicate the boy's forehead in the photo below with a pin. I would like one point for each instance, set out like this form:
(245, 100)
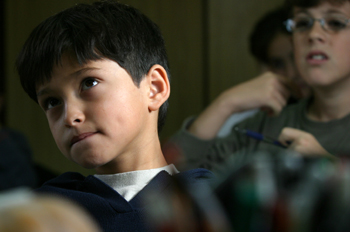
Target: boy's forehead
(68, 65)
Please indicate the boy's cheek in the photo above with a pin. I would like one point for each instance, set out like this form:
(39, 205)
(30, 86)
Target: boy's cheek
(299, 51)
(53, 115)
(57, 135)
(298, 59)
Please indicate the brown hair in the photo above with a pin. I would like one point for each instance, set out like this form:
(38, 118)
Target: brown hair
(312, 3)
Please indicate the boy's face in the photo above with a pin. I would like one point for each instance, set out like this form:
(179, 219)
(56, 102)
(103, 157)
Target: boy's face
(323, 57)
(95, 112)
(281, 61)
(280, 55)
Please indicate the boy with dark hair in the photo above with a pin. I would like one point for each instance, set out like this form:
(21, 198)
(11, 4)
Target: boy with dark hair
(100, 73)
(317, 126)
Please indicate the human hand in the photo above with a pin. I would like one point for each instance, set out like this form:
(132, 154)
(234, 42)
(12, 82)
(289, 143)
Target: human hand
(302, 142)
(269, 92)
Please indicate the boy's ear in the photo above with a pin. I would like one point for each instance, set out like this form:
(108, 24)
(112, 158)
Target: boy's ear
(159, 90)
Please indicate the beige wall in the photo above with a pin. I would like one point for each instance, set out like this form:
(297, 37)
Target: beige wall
(207, 47)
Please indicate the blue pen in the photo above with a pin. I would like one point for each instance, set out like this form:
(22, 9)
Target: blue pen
(260, 137)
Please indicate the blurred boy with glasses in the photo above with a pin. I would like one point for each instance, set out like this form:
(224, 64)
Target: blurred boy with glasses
(317, 126)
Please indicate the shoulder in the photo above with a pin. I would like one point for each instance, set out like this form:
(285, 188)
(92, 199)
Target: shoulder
(8, 135)
(14, 143)
(291, 112)
(17, 140)
(11, 133)
(196, 175)
(291, 115)
(69, 181)
(298, 106)
(66, 177)
(88, 191)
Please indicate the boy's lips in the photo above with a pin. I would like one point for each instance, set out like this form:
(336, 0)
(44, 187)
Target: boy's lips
(316, 57)
(80, 137)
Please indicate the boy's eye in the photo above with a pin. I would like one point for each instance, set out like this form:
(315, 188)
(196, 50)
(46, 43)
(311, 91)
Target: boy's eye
(335, 24)
(89, 83)
(303, 23)
(51, 102)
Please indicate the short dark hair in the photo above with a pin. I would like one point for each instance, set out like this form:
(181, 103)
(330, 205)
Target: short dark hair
(104, 29)
(265, 30)
(312, 3)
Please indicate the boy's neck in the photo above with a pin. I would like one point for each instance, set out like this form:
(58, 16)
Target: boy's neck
(148, 160)
(327, 106)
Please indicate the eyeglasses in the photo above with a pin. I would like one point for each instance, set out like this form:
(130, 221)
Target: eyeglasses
(329, 23)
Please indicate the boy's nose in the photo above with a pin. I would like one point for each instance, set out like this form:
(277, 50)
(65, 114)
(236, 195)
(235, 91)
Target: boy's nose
(73, 115)
(316, 33)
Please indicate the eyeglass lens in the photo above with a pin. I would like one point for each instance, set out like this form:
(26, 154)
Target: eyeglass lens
(329, 23)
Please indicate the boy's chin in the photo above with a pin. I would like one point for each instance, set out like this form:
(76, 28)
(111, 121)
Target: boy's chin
(91, 164)
(88, 160)
(88, 164)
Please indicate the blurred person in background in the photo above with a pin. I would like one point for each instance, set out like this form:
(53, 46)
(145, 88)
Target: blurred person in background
(314, 126)
(23, 211)
(16, 166)
(271, 45)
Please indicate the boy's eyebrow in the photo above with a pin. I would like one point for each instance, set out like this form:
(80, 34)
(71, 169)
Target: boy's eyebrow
(334, 11)
(41, 92)
(85, 69)
(76, 73)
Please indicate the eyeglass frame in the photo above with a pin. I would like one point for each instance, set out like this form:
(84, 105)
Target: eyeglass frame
(289, 22)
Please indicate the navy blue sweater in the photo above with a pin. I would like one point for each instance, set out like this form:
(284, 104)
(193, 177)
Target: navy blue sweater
(109, 208)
